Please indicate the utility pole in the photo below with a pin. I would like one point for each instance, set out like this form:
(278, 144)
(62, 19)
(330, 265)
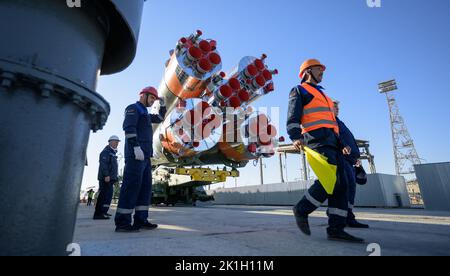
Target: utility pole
(261, 171)
(405, 153)
(286, 167)
(281, 167)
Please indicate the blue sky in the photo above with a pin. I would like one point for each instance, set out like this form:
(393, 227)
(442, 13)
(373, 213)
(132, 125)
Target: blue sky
(361, 46)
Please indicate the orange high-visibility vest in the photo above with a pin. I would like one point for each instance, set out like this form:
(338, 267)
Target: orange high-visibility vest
(319, 113)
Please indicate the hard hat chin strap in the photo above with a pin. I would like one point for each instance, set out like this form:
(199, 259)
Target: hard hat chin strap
(312, 76)
(146, 99)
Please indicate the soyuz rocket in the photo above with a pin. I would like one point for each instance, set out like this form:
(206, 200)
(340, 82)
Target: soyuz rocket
(210, 120)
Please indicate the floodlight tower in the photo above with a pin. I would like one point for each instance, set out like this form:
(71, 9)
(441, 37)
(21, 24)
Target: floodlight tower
(405, 153)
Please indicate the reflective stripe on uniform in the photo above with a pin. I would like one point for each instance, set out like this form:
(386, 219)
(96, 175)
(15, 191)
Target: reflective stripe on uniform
(311, 199)
(106, 206)
(294, 126)
(338, 212)
(128, 136)
(125, 211)
(315, 110)
(142, 208)
(320, 122)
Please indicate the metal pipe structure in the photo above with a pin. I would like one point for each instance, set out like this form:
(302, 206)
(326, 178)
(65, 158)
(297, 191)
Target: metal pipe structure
(50, 60)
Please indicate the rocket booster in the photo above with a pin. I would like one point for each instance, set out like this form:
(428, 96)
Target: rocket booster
(209, 119)
(189, 70)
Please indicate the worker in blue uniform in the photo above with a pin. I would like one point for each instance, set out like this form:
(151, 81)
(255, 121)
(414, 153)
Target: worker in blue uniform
(136, 190)
(351, 162)
(311, 122)
(107, 176)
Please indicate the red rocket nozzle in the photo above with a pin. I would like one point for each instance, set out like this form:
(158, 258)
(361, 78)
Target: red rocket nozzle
(235, 84)
(223, 75)
(263, 57)
(259, 81)
(196, 144)
(195, 36)
(194, 53)
(226, 91)
(215, 59)
(205, 46)
(275, 72)
(259, 64)
(282, 139)
(252, 148)
(204, 66)
(267, 75)
(213, 44)
(251, 71)
(183, 40)
(244, 95)
(272, 131)
(235, 102)
(269, 88)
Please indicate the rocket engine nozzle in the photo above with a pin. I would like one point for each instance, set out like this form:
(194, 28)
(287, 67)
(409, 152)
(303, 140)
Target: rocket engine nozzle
(193, 129)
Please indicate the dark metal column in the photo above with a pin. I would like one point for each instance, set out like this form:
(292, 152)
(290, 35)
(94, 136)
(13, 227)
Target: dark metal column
(50, 59)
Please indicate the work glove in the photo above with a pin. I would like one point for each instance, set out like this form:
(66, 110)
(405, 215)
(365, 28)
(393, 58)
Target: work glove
(139, 154)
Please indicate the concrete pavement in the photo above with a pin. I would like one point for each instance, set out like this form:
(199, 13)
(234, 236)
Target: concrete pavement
(263, 231)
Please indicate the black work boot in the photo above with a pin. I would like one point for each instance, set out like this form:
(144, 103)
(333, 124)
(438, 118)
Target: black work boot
(302, 222)
(101, 217)
(356, 224)
(146, 226)
(127, 229)
(341, 235)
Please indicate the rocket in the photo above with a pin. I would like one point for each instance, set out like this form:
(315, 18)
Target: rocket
(210, 120)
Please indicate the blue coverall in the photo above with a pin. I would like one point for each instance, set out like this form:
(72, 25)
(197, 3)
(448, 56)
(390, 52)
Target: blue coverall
(136, 190)
(328, 143)
(108, 167)
(350, 161)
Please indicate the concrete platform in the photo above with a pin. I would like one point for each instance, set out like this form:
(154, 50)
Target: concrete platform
(263, 231)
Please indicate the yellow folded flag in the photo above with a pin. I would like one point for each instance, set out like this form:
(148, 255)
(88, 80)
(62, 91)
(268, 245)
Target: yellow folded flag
(324, 170)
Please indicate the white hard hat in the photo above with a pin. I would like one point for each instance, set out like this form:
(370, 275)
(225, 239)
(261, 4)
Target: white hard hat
(114, 138)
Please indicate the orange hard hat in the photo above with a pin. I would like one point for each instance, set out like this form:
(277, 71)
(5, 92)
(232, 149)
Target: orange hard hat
(308, 64)
(150, 91)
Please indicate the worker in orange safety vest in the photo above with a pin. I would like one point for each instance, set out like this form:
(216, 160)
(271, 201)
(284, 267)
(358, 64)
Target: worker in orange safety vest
(311, 122)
